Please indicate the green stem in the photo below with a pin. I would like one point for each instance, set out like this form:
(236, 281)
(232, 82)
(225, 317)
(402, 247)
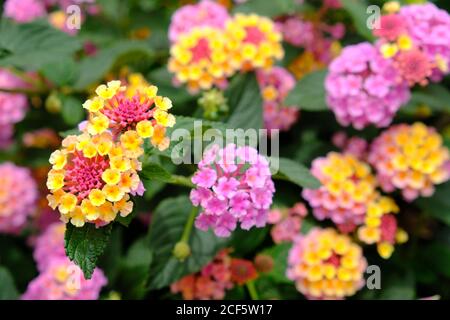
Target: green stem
(252, 290)
(181, 181)
(188, 226)
(21, 90)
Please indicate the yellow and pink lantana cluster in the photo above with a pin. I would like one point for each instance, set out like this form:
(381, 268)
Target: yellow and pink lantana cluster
(94, 173)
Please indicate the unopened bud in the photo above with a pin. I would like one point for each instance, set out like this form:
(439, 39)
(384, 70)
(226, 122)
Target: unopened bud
(182, 250)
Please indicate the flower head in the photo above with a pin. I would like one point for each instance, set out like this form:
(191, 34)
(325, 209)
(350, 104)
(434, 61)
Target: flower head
(91, 178)
(297, 32)
(254, 40)
(392, 26)
(326, 265)
(287, 222)
(347, 187)
(206, 13)
(13, 106)
(428, 27)
(233, 185)
(137, 112)
(363, 88)
(24, 11)
(210, 283)
(380, 226)
(242, 271)
(18, 196)
(275, 84)
(414, 66)
(49, 244)
(410, 158)
(200, 59)
(63, 280)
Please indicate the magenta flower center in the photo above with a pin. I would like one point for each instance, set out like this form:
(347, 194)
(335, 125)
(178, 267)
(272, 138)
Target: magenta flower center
(388, 228)
(201, 50)
(84, 174)
(335, 260)
(254, 35)
(127, 112)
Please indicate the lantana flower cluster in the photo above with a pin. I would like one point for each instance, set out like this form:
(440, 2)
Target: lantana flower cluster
(218, 276)
(326, 265)
(13, 106)
(363, 88)
(380, 226)
(59, 278)
(313, 35)
(205, 13)
(348, 185)
(233, 184)
(94, 173)
(287, 222)
(356, 146)
(410, 158)
(275, 84)
(24, 11)
(416, 38)
(209, 46)
(18, 197)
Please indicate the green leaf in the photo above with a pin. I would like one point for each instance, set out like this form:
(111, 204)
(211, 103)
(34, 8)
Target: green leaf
(84, 245)
(8, 289)
(398, 287)
(167, 227)
(297, 173)
(437, 257)
(72, 110)
(154, 171)
(245, 100)
(61, 72)
(92, 69)
(434, 96)
(309, 93)
(269, 8)
(246, 241)
(279, 254)
(438, 205)
(135, 270)
(32, 45)
(358, 11)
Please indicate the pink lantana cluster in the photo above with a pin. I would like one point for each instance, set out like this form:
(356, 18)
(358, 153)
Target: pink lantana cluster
(428, 27)
(13, 106)
(206, 13)
(287, 222)
(49, 244)
(356, 146)
(363, 88)
(63, 280)
(416, 39)
(59, 278)
(275, 84)
(24, 11)
(233, 185)
(297, 32)
(18, 195)
(317, 38)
